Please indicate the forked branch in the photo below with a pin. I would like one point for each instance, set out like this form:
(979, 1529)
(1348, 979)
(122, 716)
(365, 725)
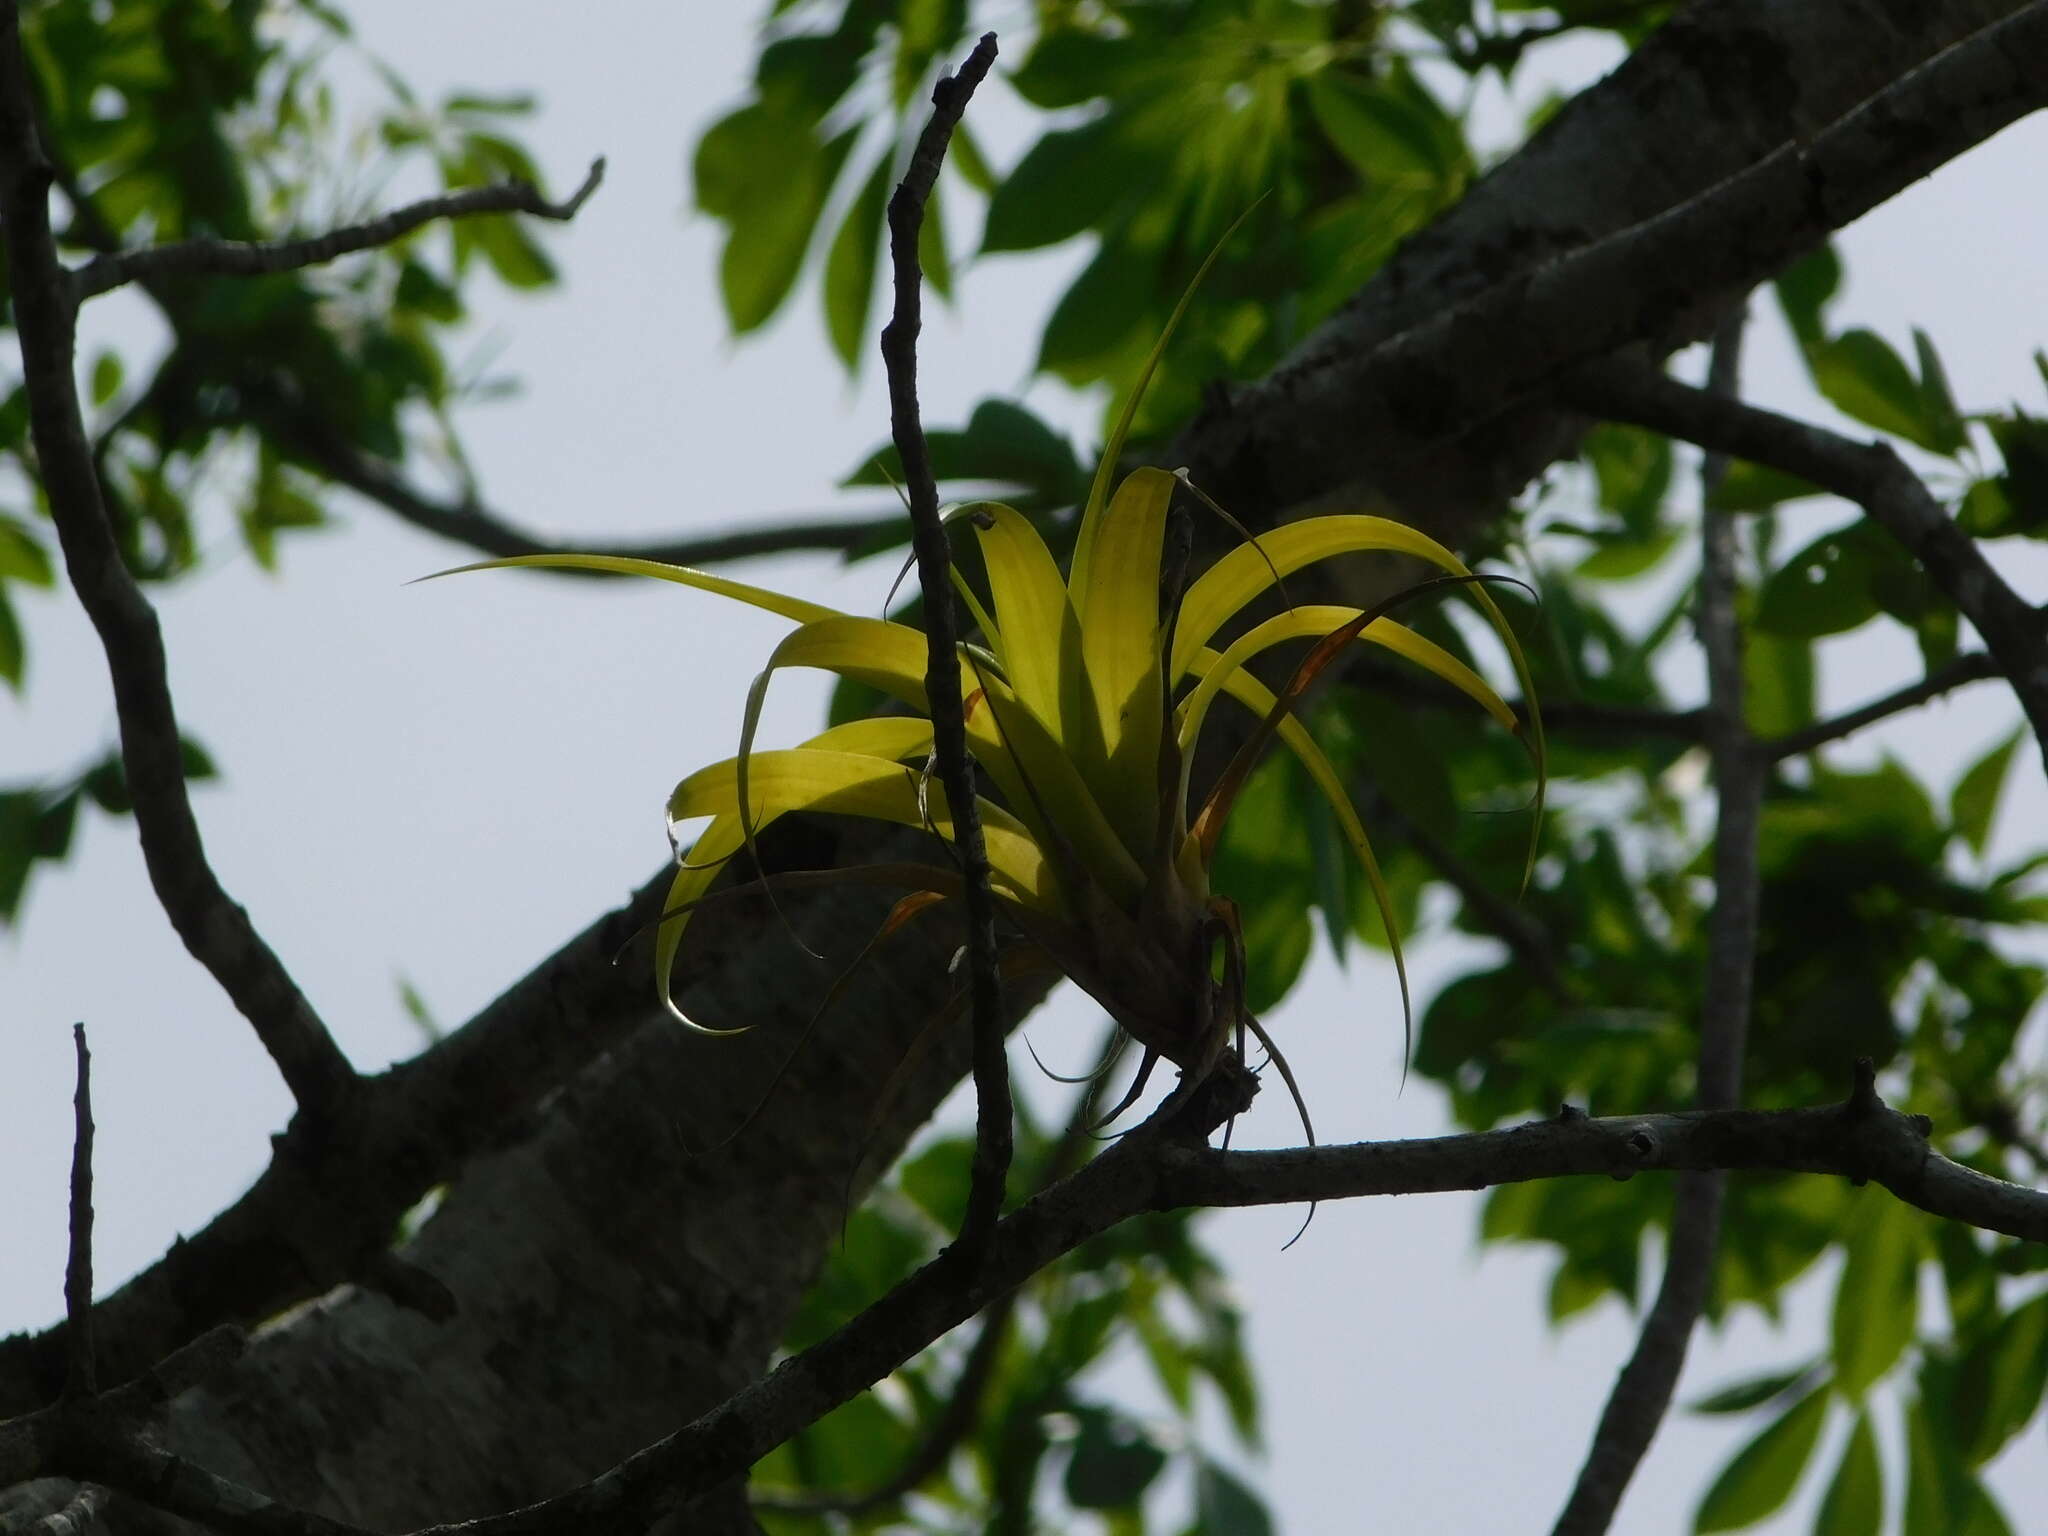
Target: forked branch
(253, 258)
(216, 930)
(1868, 474)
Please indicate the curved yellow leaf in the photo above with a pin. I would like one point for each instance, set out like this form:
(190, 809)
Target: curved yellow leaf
(882, 789)
(1257, 697)
(892, 739)
(1120, 647)
(1040, 636)
(623, 565)
(1311, 623)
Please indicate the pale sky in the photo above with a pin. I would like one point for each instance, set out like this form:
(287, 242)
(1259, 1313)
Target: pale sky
(445, 782)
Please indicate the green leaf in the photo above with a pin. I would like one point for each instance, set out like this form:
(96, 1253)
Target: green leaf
(1854, 1505)
(13, 653)
(763, 172)
(1943, 1497)
(22, 556)
(1877, 1299)
(1751, 487)
(1633, 468)
(849, 285)
(1863, 377)
(1999, 1382)
(934, 258)
(106, 377)
(2023, 443)
(1938, 404)
(1391, 130)
(1778, 672)
(1974, 803)
(1742, 1396)
(937, 1180)
(1069, 181)
(1113, 1462)
(1804, 290)
(1226, 1507)
(1825, 589)
(1763, 1474)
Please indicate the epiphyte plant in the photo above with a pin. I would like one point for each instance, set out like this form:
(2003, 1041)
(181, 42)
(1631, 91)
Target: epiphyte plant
(1085, 697)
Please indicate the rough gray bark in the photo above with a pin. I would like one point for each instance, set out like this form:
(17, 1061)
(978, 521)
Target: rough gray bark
(610, 1286)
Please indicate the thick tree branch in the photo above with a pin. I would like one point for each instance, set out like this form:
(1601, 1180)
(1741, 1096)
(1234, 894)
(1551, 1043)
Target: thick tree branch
(993, 1135)
(1869, 474)
(216, 930)
(1642, 1393)
(252, 258)
(1380, 394)
(323, 1213)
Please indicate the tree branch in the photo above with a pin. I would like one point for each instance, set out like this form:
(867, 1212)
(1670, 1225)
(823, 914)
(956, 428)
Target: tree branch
(1642, 1393)
(993, 1133)
(1384, 392)
(252, 258)
(1972, 667)
(216, 930)
(322, 1214)
(1869, 474)
(1155, 1170)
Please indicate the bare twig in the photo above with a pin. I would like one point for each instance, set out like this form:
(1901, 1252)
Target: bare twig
(992, 1144)
(1869, 474)
(252, 258)
(80, 1380)
(216, 930)
(308, 1224)
(1642, 1393)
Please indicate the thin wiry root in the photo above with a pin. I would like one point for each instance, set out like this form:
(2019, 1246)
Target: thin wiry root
(1145, 1066)
(1094, 1074)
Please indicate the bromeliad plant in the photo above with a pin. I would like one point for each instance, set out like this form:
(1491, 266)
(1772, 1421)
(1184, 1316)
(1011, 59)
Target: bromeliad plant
(1085, 698)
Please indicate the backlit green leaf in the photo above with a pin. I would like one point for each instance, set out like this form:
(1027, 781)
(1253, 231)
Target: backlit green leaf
(1854, 1505)
(1763, 1474)
(1877, 1298)
(1974, 803)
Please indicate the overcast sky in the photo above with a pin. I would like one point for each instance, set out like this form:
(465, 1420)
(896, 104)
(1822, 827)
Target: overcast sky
(443, 783)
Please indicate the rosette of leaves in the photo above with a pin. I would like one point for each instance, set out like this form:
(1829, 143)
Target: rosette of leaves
(1085, 696)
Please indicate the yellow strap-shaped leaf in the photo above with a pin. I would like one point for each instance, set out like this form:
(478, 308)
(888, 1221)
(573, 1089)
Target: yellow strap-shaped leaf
(1120, 646)
(1313, 622)
(622, 565)
(882, 789)
(1257, 697)
(1056, 797)
(891, 658)
(1040, 644)
(894, 739)
(1247, 572)
(1098, 490)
